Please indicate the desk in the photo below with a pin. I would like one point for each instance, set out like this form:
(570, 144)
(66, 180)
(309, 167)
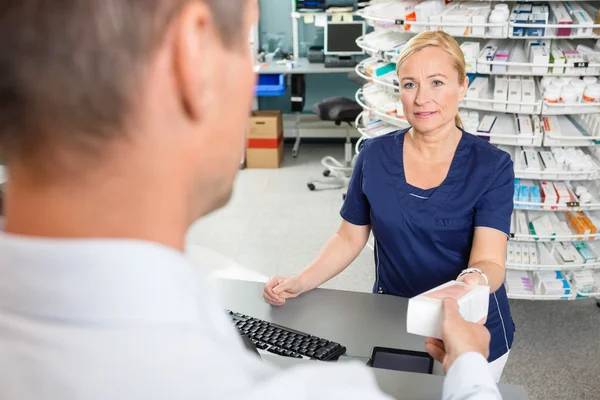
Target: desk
(302, 67)
(359, 321)
(298, 84)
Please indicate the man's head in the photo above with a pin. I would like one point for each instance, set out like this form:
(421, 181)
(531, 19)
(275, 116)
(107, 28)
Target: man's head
(114, 88)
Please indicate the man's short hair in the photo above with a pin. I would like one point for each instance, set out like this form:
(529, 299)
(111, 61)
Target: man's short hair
(69, 69)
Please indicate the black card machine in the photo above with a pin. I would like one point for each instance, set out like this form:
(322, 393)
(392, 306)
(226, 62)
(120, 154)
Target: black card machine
(401, 360)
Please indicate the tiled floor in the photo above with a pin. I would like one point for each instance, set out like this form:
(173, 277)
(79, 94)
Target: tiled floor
(275, 225)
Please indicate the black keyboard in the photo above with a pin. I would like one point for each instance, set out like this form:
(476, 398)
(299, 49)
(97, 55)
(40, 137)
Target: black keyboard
(284, 341)
(334, 62)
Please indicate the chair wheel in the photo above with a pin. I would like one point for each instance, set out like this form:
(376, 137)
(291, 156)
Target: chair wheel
(326, 173)
(311, 187)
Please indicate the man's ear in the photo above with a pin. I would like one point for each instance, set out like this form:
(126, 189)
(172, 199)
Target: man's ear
(193, 39)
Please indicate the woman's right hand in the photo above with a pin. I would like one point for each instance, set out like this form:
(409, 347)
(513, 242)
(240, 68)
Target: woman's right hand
(278, 289)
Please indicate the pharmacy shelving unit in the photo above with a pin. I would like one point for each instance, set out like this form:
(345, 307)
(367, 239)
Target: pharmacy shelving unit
(571, 118)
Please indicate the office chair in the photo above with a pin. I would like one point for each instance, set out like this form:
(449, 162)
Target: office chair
(339, 110)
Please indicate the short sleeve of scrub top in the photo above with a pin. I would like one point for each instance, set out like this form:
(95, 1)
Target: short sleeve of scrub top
(494, 208)
(423, 238)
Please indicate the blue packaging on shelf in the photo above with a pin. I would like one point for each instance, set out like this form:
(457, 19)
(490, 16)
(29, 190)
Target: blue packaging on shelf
(270, 85)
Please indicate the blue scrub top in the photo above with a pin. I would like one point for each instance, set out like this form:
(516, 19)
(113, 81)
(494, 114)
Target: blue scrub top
(424, 237)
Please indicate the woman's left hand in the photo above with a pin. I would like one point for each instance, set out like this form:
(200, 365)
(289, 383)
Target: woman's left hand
(474, 278)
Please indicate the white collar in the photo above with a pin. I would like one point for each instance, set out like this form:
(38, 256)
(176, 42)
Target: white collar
(97, 281)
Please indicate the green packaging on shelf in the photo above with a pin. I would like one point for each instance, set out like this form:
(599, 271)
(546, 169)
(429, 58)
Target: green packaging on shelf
(586, 254)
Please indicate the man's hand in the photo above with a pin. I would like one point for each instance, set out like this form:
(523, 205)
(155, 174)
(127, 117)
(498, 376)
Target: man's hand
(459, 337)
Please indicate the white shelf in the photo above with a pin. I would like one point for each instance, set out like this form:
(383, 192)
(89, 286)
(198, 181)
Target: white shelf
(367, 133)
(481, 61)
(553, 267)
(557, 176)
(526, 206)
(390, 119)
(558, 238)
(488, 105)
(570, 108)
(360, 71)
(572, 296)
(298, 14)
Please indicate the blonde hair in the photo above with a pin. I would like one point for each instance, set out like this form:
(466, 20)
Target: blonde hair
(443, 41)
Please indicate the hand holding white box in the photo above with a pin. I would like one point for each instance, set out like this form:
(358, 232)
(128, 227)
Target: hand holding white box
(424, 315)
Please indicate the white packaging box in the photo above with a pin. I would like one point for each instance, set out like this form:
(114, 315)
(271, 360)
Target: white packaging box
(530, 43)
(528, 96)
(458, 15)
(532, 161)
(594, 247)
(560, 227)
(524, 128)
(533, 254)
(487, 123)
(557, 58)
(480, 16)
(510, 253)
(424, 316)
(525, 260)
(475, 91)
(471, 52)
(559, 15)
(470, 49)
(572, 6)
(500, 92)
(514, 95)
(573, 57)
(487, 53)
(584, 23)
(564, 196)
(549, 162)
(518, 253)
(501, 56)
(519, 18)
(522, 226)
(539, 55)
(551, 128)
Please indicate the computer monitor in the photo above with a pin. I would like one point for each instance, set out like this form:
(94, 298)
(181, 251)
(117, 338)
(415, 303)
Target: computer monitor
(340, 38)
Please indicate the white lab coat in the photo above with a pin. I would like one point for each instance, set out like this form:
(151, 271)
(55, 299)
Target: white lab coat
(119, 319)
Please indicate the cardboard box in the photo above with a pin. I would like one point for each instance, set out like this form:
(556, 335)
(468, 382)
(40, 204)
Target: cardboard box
(264, 146)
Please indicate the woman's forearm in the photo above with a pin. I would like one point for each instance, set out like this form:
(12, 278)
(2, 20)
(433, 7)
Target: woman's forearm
(339, 252)
(493, 271)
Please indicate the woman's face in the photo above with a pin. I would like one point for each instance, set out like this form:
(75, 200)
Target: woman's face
(429, 89)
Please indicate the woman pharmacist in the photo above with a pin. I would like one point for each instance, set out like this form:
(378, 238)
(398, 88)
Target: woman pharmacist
(438, 199)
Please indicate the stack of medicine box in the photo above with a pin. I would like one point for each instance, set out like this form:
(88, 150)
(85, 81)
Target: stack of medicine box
(560, 16)
(522, 254)
(583, 19)
(527, 192)
(581, 223)
(487, 53)
(526, 13)
(540, 225)
(582, 281)
(565, 253)
(518, 282)
(470, 52)
(551, 283)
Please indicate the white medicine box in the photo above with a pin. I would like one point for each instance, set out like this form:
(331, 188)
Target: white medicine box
(424, 315)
